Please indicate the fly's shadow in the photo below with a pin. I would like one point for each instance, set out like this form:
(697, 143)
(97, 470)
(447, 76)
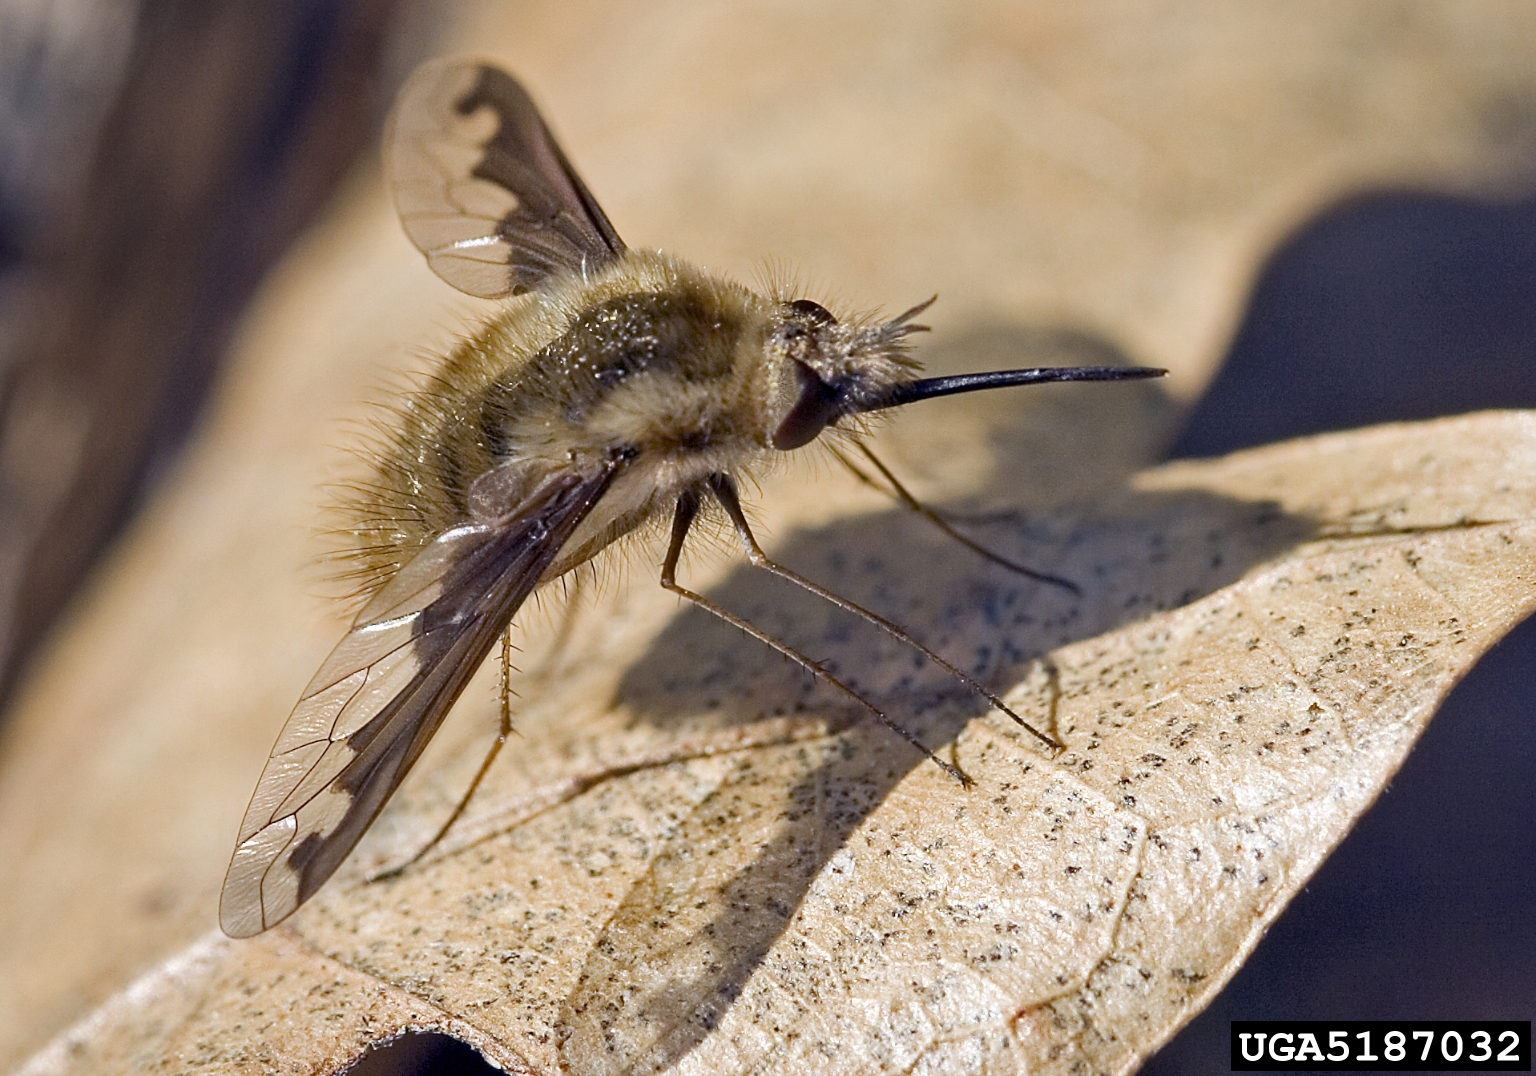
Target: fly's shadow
(691, 932)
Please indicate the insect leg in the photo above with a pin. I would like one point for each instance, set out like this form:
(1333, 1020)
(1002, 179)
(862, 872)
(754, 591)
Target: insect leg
(548, 663)
(725, 491)
(503, 731)
(682, 520)
(906, 499)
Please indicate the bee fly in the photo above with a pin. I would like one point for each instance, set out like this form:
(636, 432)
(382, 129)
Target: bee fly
(625, 385)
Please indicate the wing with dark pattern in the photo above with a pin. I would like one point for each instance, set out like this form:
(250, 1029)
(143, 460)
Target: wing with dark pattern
(368, 713)
(482, 188)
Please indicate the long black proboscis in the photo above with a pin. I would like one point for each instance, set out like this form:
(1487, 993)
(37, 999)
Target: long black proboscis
(929, 387)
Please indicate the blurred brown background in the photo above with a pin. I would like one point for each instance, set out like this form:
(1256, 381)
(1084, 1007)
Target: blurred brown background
(157, 157)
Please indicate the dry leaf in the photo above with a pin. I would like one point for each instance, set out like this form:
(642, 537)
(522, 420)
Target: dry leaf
(1261, 640)
(1083, 166)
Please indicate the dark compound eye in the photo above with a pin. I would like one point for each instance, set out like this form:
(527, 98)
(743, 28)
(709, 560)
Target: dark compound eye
(812, 311)
(818, 404)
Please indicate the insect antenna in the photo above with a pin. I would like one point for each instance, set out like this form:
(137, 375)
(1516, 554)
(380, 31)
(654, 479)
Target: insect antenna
(687, 511)
(899, 492)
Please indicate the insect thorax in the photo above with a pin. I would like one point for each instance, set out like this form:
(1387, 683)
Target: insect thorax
(653, 356)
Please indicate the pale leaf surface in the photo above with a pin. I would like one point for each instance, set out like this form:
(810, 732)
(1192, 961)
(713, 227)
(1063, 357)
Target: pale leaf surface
(824, 899)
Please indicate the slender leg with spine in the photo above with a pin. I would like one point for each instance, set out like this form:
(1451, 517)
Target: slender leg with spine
(906, 499)
(503, 731)
(725, 492)
(682, 520)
